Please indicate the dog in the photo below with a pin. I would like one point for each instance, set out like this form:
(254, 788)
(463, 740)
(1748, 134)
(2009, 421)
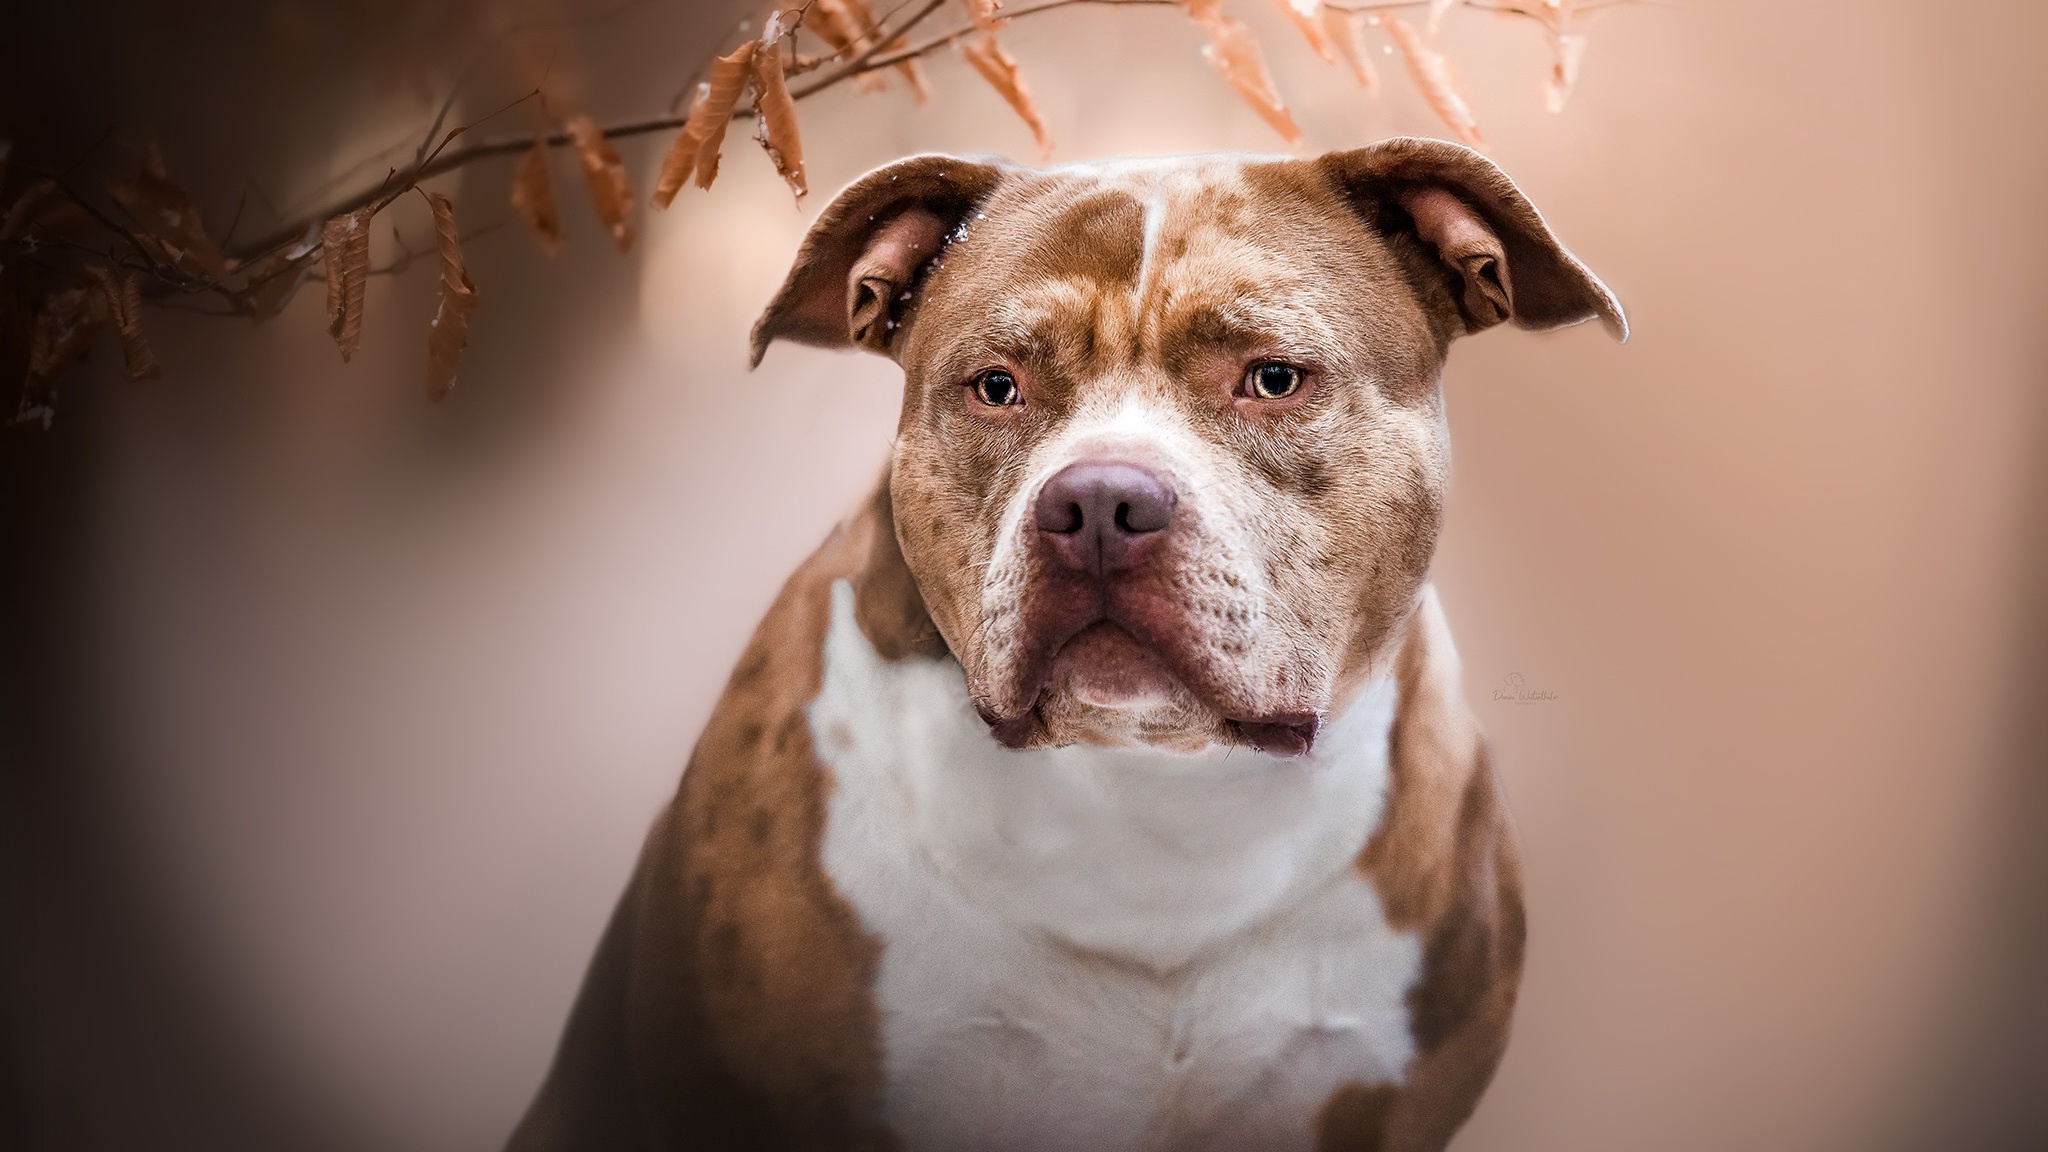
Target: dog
(1105, 782)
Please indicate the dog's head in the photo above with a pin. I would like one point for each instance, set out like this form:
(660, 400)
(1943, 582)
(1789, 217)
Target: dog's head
(1172, 451)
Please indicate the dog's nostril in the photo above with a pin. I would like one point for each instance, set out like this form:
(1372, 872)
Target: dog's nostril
(1063, 521)
(1150, 514)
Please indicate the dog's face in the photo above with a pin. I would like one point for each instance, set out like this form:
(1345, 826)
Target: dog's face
(1172, 451)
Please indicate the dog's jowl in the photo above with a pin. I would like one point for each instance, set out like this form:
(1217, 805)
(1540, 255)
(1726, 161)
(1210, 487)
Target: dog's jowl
(1104, 782)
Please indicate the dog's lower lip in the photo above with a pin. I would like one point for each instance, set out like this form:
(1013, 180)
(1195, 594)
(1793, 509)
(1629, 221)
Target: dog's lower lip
(1010, 731)
(1286, 734)
(1105, 666)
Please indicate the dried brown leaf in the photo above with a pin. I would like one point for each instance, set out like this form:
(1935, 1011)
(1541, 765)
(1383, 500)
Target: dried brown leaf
(64, 328)
(48, 212)
(533, 196)
(847, 26)
(267, 297)
(843, 24)
(912, 74)
(1233, 51)
(731, 76)
(1433, 77)
(273, 278)
(1308, 17)
(681, 161)
(169, 218)
(345, 250)
(695, 151)
(985, 14)
(1347, 31)
(450, 331)
(122, 293)
(1437, 8)
(605, 174)
(1567, 50)
(775, 125)
(26, 208)
(1000, 69)
(910, 70)
(1207, 14)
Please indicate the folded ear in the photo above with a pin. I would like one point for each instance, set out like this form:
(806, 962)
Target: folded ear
(857, 275)
(1503, 260)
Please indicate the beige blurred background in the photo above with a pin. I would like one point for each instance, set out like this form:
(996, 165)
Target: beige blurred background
(335, 717)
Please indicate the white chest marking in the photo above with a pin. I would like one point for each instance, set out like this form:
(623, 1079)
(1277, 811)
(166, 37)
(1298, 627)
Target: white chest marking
(1104, 948)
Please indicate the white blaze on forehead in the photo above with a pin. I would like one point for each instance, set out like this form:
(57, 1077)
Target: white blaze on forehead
(1155, 217)
(1141, 172)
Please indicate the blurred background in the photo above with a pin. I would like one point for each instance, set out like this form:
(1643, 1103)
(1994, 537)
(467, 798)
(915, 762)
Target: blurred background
(334, 717)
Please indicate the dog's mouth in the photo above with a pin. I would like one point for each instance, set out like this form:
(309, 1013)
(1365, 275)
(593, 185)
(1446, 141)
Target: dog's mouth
(1107, 664)
(1104, 666)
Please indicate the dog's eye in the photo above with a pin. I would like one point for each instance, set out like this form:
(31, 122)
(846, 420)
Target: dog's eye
(997, 388)
(1272, 381)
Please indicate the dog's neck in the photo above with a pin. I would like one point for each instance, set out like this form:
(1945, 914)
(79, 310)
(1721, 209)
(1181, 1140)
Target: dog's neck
(1138, 853)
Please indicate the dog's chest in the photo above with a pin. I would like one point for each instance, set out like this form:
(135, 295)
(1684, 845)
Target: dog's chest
(1100, 948)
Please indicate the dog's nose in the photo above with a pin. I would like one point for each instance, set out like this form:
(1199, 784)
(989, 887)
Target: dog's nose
(1102, 516)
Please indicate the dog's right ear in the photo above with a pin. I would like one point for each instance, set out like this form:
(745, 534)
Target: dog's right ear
(861, 264)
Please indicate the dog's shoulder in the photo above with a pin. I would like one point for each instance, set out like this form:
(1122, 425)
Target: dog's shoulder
(1447, 867)
(729, 1004)
(780, 960)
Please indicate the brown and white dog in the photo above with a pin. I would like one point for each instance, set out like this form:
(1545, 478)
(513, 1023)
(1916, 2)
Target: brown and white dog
(1105, 783)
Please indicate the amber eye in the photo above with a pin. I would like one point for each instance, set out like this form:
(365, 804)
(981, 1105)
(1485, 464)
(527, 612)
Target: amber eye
(997, 389)
(1272, 381)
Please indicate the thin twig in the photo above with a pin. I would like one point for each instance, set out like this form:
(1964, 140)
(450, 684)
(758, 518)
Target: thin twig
(868, 60)
(106, 221)
(937, 42)
(235, 221)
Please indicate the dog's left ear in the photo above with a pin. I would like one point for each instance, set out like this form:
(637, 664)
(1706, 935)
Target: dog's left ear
(862, 262)
(1504, 261)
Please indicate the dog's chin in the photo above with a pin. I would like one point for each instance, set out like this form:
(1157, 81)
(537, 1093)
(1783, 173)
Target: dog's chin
(1105, 688)
(1105, 667)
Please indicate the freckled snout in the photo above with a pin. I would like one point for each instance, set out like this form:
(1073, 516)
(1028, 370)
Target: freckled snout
(1099, 517)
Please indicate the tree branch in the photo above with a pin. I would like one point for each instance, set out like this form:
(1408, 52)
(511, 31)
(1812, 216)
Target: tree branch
(870, 60)
(250, 285)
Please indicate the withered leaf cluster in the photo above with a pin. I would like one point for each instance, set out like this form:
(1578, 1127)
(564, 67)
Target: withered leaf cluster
(141, 238)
